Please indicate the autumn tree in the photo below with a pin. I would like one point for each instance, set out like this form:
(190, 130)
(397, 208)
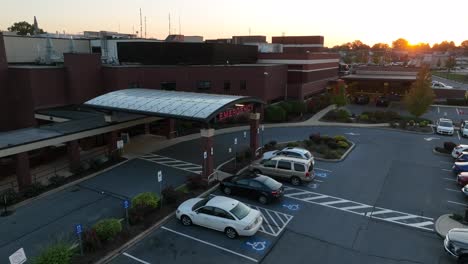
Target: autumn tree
(420, 96)
(24, 28)
(339, 98)
(400, 44)
(380, 46)
(450, 63)
(464, 46)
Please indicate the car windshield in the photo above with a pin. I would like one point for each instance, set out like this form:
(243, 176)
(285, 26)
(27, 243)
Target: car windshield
(200, 203)
(272, 184)
(240, 211)
(307, 155)
(445, 124)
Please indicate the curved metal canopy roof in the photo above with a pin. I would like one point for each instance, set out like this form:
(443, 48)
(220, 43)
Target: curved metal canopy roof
(180, 105)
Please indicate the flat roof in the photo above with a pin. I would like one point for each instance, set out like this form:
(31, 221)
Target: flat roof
(202, 65)
(379, 77)
(200, 107)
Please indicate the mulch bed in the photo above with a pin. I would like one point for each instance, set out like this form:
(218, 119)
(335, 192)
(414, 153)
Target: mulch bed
(132, 231)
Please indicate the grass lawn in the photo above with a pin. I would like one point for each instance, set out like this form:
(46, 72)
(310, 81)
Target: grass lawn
(452, 76)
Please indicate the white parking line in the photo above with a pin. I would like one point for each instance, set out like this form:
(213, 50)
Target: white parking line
(448, 179)
(452, 190)
(458, 135)
(135, 258)
(317, 180)
(438, 110)
(446, 170)
(209, 244)
(458, 111)
(462, 204)
(322, 169)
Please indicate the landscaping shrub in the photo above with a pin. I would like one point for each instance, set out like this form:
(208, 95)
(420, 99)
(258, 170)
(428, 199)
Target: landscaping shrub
(107, 229)
(91, 242)
(145, 200)
(343, 144)
(332, 144)
(194, 182)
(322, 150)
(315, 138)
(456, 101)
(55, 254)
(292, 145)
(308, 143)
(287, 107)
(170, 195)
(33, 190)
(442, 150)
(326, 139)
(392, 116)
(340, 138)
(449, 146)
(411, 122)
(332, 155)
(342, 114)
(363, 117)
(402, 124)
(272, 143)
(457, 217)
(380, 116)
(274, 113)
(423, 124)
(10, 195)
(297, 107)
(57, 181)
(394, 124)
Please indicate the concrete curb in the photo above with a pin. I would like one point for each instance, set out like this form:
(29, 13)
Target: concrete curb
(455, 106)
(440, 153)
(444, 223)
(65, 186)
(142, 235)
(411, 132)
(343, 157)
(437, 225)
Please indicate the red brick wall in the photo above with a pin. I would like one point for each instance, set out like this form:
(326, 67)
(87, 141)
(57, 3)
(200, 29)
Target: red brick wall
(20, 102)
(83, 77)
(48, 87)
(4, 118)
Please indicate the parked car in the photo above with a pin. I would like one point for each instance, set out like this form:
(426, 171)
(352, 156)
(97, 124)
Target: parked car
(220, 213)
(456, 244)
(462, 178)
(361, 99)
(459, 150)
(299, 153)
(382, 101)
(256, 186)
(459, 167)
(445, 127)
(294, 170)
(465, 190)
(462, 157)
(439, 85)
(464, 129)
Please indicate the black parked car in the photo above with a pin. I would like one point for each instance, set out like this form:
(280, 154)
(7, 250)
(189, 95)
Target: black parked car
(361, 99)
(255, 186)
(382, 101)
(456, 244)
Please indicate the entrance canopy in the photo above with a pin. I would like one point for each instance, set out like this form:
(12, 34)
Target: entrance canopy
(173, 104)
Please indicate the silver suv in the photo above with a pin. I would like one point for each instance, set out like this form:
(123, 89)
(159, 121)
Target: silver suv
(299, 153)
(294, 170)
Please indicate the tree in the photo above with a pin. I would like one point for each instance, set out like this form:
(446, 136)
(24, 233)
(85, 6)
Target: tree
(439, 63)
(420, 96)
(380, 46)
(400, 44)
(24, 28)
(450, 63)
(358, 45)
(464, 46)
(376, 58)
(339, 98)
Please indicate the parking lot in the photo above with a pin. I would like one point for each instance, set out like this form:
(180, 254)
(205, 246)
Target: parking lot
(377, 206)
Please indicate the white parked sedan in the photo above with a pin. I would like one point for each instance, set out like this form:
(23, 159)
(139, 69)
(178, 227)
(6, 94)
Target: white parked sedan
(459, 150)
(220, 213)
(465, 190)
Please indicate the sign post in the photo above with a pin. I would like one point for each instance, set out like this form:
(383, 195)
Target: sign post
(126, 204)
(263, 130)
(235, 153)
(78, 231)
(160, 187)
(19, 257)
(245, 134)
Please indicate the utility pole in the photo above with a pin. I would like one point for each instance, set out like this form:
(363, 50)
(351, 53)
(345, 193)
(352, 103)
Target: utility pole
(169, 23)
(145, 26)
(141, 26)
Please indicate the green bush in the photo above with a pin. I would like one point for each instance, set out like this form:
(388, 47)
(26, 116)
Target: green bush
(343, 144)
(402, 124)
(286, 106)
(326, 139)
(145, 200)
(292, 145)
(315, 138)
(340, 138)
(332, 155)
(322, 150)
(411, 122)
(423, 124)
(343, 114)
(33, 190)
(297, 107)
(91, 242)
(170, 195)
(106, 229)
(363, 117)
(9, 196)
(332, 144)
(55, 254)
(308, 143)
(274, 113)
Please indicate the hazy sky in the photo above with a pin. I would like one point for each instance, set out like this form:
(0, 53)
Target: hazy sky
(338, 21)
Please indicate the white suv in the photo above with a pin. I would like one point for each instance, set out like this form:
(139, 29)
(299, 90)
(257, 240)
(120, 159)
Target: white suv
(298, 153)
(445, 127)
(464, 129)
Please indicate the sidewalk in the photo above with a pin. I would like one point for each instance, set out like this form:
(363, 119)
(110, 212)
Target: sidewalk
(445, 223)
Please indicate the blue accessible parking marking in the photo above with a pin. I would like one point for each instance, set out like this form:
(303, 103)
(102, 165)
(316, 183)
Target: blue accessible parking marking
(257, 244)
(321, 174)
(292, 207)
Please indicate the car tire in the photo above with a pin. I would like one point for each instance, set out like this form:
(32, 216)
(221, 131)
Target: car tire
(227, 190)
(295, 181)
(186, 221)
(262, 199)
(230, 232)
(257, 171)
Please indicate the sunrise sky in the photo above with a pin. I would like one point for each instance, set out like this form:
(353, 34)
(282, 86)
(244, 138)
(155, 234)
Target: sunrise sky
(338, 21)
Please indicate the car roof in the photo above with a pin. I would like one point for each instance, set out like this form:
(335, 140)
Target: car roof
(299, 150)
(222, 202)
(445, 119)
(462, 146)
(297, 160)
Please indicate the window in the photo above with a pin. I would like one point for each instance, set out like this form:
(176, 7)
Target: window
(203, 85)
(206, 210)
(240, 210)
(299, 167)
(200, 203)
(227, 85)
(255, 184)
(243, 182)
(270, 163)
(293, 154)
(168, 86)
(243, 84)
(284, 165)
(223, 214)
(272, 184)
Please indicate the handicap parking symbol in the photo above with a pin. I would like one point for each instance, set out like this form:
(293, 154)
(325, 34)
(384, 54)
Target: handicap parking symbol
(313, 185)
(257, 244)
(292, 207)
(321, 174)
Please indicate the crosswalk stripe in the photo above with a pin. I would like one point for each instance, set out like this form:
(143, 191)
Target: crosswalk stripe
(334, 202)
(355, 207)
(174, 163)
(299, 193)
(421, 224)
(379, 212)
(401, 217)
(316, 197)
